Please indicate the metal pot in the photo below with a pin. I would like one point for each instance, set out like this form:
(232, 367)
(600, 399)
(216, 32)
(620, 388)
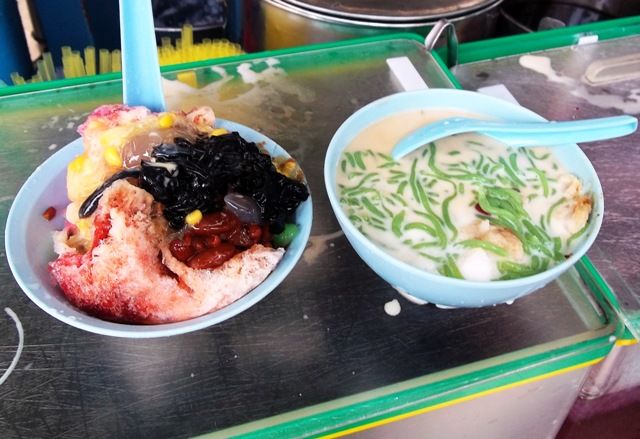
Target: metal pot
(274, 24)
(208, 18)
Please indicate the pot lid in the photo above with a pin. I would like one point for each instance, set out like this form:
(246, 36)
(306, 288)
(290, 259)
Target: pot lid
(385, 10)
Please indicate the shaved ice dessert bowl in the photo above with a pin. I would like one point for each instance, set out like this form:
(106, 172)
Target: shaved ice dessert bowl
(30, 250)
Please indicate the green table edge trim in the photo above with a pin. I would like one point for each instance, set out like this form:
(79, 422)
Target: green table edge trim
(605, 295)
(549, 39)
(424, 396)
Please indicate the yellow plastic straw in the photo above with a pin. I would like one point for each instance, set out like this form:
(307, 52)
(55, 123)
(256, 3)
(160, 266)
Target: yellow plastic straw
(67, 68)
(50, 70)
(90, 60)
(187, 36)
(66, 51)
(78, 65)
(184, 50)
(17, 79)
(41, 71)
(116, 61)
(105, 61)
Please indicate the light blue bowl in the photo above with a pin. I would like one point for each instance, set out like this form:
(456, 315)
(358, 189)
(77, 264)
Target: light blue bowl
(431, 287)
(30, 248)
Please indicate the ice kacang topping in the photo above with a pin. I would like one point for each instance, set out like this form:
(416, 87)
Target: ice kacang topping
(91, 204)
(243, 207)
(131, 274)
(217, 237)
(188, 176)
(141, 172)
(117, 136)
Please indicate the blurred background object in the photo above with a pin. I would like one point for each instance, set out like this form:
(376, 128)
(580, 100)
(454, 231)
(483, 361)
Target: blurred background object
(64, 23)
(208, 18)
(90, 28)
(519, 16)
(274, 24)
(73, 38)
(13, 45)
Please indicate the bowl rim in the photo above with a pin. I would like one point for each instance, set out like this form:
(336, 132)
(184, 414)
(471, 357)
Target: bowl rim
(596, 217)
(58, 162)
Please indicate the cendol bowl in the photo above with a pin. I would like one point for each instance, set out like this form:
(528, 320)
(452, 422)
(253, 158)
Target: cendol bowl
(436, 288)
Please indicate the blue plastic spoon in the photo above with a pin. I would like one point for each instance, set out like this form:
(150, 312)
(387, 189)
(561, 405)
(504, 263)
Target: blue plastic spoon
(141, 82)
(520, 133)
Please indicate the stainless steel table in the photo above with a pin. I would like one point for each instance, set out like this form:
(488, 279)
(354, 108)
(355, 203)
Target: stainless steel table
(319, 355)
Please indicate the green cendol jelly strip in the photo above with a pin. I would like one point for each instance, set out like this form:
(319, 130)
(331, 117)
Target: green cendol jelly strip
(496, 180)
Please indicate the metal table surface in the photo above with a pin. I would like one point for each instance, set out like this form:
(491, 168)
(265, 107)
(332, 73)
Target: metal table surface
(322, 335)
(571, 87)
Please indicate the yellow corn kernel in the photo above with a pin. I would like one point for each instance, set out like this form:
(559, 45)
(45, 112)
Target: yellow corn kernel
(166, 120)
(112, 156)
(111, 138)
(78, 163)
(218, 132)
(289, 166)
(95, 125)
(84, 225)
(193, 218)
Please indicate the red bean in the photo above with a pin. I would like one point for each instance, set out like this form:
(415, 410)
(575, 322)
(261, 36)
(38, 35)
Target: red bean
(187, 237)
(49, 214)
(212, 257)
(241, 237)
(216, 223)
(181, 250)
(481, 210)
(198, 243)
(266, 234)
(255, 232)
(212, 241)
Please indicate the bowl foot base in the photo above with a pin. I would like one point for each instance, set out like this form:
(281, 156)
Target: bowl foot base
(409, 297)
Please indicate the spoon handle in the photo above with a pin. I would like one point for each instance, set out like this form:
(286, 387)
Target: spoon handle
(141, 81)
(520, 133)
(559, 133)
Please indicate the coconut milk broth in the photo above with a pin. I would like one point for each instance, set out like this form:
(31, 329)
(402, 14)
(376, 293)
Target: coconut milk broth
(387, 191)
